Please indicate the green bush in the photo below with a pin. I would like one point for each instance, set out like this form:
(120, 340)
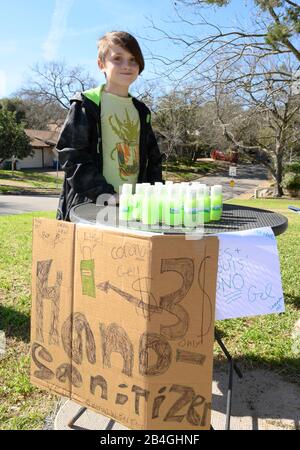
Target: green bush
(292, 168)
(291, 181)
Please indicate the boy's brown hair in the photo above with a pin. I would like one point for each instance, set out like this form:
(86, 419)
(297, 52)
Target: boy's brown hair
(124, 40)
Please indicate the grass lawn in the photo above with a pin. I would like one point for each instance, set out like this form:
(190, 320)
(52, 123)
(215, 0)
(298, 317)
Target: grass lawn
(183, 172)
(21, 180)
(263, 341)
(22, 406)
(266, 341)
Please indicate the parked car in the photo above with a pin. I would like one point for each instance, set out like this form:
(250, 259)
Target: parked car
(232, 156)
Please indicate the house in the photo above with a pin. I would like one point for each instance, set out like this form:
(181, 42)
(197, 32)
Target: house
(43, 143)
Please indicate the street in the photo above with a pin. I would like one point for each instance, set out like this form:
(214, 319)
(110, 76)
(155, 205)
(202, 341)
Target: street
(18, 204)
(248, 177)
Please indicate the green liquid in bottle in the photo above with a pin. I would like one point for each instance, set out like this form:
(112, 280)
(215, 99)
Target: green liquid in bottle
(215, 208)
(149, 210)
(206, 208)
(137, 207)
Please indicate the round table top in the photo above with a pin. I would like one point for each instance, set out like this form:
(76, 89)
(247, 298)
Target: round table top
(234, 218)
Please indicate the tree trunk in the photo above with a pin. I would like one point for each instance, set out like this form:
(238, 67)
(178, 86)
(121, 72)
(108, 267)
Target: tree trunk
(278, 174)
(195, 154)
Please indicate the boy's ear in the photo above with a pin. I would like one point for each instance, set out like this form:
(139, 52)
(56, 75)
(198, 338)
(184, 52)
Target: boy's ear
(100, 64)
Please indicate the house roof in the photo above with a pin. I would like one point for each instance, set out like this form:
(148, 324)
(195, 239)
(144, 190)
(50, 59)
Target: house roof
(42, 138)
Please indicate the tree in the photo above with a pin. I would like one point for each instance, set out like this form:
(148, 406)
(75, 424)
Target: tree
(34, 114)
(15, 105)
(168, 123)
(277, 27)
(54, 83)
(257, 66)
(188, 124)
(268, 100)
(14, 143)
(38, 115)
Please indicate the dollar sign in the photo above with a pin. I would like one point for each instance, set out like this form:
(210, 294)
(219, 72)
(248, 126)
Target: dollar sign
(150, 306)
(206, 301)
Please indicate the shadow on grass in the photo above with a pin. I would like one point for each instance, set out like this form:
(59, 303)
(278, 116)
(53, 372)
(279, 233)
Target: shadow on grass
(193, 170)
(14, 323)
(292, 300)
(29, 176)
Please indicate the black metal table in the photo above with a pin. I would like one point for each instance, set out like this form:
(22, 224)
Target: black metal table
(234, 218)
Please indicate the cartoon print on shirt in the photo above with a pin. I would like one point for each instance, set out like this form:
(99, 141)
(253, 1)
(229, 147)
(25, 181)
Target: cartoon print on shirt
(127, 149)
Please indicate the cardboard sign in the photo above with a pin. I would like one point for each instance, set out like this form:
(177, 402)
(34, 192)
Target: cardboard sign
(124, 324)
(249, 280)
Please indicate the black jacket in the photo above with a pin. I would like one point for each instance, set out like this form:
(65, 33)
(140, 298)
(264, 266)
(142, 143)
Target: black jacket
(80, 154)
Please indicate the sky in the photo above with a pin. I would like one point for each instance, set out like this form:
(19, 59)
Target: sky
(39, 31)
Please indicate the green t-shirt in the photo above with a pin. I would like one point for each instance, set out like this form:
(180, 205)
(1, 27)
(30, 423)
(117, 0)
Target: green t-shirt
(120, 127)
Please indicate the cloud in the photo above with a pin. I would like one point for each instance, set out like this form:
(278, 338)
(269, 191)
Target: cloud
(3, 83)
(57, 28)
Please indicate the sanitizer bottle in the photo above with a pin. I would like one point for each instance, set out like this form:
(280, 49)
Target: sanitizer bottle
(206, 205)
(125, 203)
(183, 186)
(137, 202)
(190, 210)
(149, 207)
(200, 204)
(165, 204)
(159, 189)
(216, 202)
(175, 206)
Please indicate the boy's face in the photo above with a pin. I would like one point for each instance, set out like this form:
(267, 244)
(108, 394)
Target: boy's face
(120, 66)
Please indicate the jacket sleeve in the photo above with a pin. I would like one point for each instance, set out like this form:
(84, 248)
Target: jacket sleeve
(75, 154)
(154, 165)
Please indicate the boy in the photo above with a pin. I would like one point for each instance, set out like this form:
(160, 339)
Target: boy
(107, 138)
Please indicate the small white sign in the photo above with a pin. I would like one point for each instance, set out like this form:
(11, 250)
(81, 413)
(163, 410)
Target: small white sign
(249, 280)
(232, 171)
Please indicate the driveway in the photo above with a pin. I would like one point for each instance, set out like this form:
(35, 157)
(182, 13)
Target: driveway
(248, 177)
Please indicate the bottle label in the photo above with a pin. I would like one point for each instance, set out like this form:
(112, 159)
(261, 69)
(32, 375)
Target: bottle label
(216, 208)
(191, 210)
(125, 209)
(174, 210)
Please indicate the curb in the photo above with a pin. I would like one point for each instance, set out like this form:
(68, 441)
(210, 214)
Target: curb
(43, 193)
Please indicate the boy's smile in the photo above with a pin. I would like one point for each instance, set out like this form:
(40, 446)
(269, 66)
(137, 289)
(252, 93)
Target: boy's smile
(121, 70)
